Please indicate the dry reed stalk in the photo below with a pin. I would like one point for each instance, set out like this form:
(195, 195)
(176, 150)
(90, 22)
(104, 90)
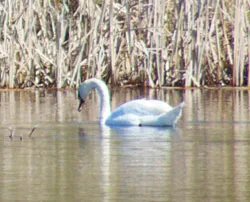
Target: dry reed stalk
(226, 33)
(159, 39)
(238, 44)
(248, 31)
(111, 44)
(191, 49)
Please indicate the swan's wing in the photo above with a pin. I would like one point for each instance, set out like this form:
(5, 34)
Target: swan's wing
(165, 119)
(145, 112)
(141, 107)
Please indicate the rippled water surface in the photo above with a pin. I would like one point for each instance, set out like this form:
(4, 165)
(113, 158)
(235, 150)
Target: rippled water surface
(70, 158)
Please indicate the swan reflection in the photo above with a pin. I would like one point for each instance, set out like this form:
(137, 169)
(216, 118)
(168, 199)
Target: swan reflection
(131, 154)
(144, 132)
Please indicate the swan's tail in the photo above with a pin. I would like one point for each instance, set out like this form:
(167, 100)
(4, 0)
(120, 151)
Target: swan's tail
(165, 119)
(170, 118)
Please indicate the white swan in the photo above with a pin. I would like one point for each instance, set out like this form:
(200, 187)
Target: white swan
(139, 112)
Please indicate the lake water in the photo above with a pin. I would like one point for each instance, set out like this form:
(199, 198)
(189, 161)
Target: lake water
(206, 157)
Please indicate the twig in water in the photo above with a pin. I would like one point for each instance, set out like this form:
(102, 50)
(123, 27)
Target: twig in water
(11, 133)
(32, 131)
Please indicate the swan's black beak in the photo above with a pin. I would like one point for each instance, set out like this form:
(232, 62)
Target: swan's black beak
(80, 105)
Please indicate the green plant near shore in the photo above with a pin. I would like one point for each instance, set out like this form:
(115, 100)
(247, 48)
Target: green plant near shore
(148, 42)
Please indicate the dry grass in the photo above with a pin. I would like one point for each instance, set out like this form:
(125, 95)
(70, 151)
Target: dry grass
(175, 43)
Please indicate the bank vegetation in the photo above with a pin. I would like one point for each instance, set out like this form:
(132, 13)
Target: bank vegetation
(45, 43)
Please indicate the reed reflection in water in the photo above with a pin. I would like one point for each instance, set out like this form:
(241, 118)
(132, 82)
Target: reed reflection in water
(69, 157)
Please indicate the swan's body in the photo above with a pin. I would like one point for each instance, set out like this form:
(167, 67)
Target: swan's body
(139, 112)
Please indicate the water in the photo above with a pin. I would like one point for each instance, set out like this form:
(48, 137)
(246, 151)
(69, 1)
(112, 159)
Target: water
(70, 158)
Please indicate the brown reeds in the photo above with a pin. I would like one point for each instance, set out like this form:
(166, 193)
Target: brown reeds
(178, 43)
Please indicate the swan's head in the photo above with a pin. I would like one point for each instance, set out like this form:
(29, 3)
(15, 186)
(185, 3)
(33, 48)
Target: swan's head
(83, 92)
(81, 102)
(102, 89)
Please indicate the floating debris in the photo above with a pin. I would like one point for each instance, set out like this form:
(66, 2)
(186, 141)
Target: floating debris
(32, 131)
(11, 132)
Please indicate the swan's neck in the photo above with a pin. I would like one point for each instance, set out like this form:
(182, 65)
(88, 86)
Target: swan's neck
(104, 99)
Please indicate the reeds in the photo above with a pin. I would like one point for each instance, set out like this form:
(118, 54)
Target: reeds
(176, 43)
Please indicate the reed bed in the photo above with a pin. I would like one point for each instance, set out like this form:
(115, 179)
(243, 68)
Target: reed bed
(60, 43)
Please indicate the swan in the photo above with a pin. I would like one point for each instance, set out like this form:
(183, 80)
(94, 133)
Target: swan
(140, 112)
